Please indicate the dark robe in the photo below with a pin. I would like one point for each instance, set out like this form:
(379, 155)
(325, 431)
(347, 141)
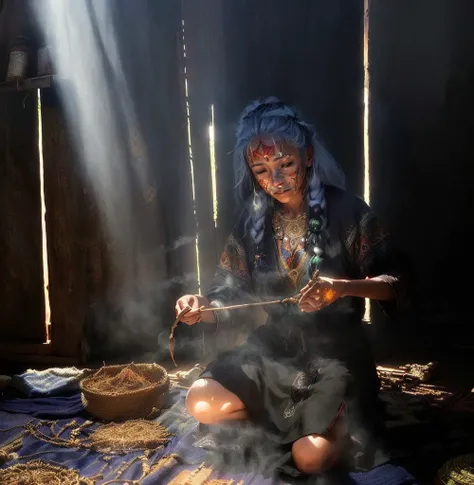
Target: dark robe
(296, 373)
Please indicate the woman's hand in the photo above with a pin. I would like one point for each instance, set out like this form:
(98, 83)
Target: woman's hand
(194, 302)
(323, 293)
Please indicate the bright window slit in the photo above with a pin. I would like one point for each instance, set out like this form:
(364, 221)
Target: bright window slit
(44, 235)
(212, 156)
(191, 161)
(367, 318)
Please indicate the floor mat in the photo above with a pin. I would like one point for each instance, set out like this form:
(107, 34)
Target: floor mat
(179, 460)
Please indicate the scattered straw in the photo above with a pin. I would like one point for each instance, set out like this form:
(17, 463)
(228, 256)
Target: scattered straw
(131, 435)
(40, 473)
(199, 476)
(7, 452)
(458, 471)
(218, 481)
(166, 461)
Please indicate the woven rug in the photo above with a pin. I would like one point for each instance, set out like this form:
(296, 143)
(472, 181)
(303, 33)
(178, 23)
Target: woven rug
(34, 445)
(59, 429)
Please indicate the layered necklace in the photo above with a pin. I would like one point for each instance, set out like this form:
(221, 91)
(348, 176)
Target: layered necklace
(290, 236)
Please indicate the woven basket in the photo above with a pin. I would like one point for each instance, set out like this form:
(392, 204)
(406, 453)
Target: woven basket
(134, 404)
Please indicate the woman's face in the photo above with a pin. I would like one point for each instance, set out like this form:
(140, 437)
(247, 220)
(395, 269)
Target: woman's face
(279, 168)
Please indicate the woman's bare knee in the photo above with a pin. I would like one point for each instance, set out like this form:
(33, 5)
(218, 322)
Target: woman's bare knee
(210, 402)
(313, 454)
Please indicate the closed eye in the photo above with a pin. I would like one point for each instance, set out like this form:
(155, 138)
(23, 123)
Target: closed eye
(288, 164)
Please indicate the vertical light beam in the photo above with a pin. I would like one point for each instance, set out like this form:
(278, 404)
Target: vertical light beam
(366, 104)
(212, 156)
(44, 235)
(191, 160)
(366, 124)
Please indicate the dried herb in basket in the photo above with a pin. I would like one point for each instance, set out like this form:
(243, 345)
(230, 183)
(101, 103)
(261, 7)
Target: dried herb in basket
(130, 378)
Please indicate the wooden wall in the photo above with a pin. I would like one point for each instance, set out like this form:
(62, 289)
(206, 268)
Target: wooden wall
(21, 284)
(91, 291)
(422, 73)
(76, 248)
(141, 267)
(21, 280)
(309, 53)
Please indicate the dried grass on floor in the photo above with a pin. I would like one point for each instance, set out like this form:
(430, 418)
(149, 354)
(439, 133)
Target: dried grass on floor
(419, 380)
(40, 473)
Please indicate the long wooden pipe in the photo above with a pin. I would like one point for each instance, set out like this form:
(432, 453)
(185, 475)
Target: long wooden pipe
(294, 300)
(291, 300)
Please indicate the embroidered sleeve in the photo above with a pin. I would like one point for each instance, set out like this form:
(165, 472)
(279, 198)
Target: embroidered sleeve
(370, 244)
(232, 280)
(234, 261)
(373, 253)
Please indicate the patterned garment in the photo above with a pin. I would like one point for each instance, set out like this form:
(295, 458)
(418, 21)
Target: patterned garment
(290, 241)
(359, 246)
(233, 260)
(295, 373)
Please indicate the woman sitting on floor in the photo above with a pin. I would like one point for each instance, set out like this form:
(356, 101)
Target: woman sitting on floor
(307, 376)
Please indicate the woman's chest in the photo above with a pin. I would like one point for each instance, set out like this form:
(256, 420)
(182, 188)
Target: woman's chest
(288, 255)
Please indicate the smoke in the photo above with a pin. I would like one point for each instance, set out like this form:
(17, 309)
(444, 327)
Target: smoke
(264, 445)
(180, 242)
(102, 88)
(101, 52)
(291, 392)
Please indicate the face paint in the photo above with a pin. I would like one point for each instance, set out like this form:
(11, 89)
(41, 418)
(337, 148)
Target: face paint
(263, 151)
(279, 170)
(287, 178)
(265, 185)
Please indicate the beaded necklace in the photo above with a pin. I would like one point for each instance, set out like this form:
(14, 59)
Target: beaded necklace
(316, 238)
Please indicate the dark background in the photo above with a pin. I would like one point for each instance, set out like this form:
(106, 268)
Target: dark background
(310, 54)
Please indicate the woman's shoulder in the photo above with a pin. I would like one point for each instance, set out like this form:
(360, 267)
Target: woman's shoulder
(344, 204)
(240, 227)
(240, 231)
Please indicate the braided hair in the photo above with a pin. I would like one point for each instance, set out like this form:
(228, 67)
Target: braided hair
(272, 117)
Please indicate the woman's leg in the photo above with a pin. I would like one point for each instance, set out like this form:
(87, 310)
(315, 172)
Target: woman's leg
(315, 453)
(210, 402)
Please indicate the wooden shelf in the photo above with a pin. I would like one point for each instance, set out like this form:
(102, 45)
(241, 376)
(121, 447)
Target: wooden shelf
(27, 84)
